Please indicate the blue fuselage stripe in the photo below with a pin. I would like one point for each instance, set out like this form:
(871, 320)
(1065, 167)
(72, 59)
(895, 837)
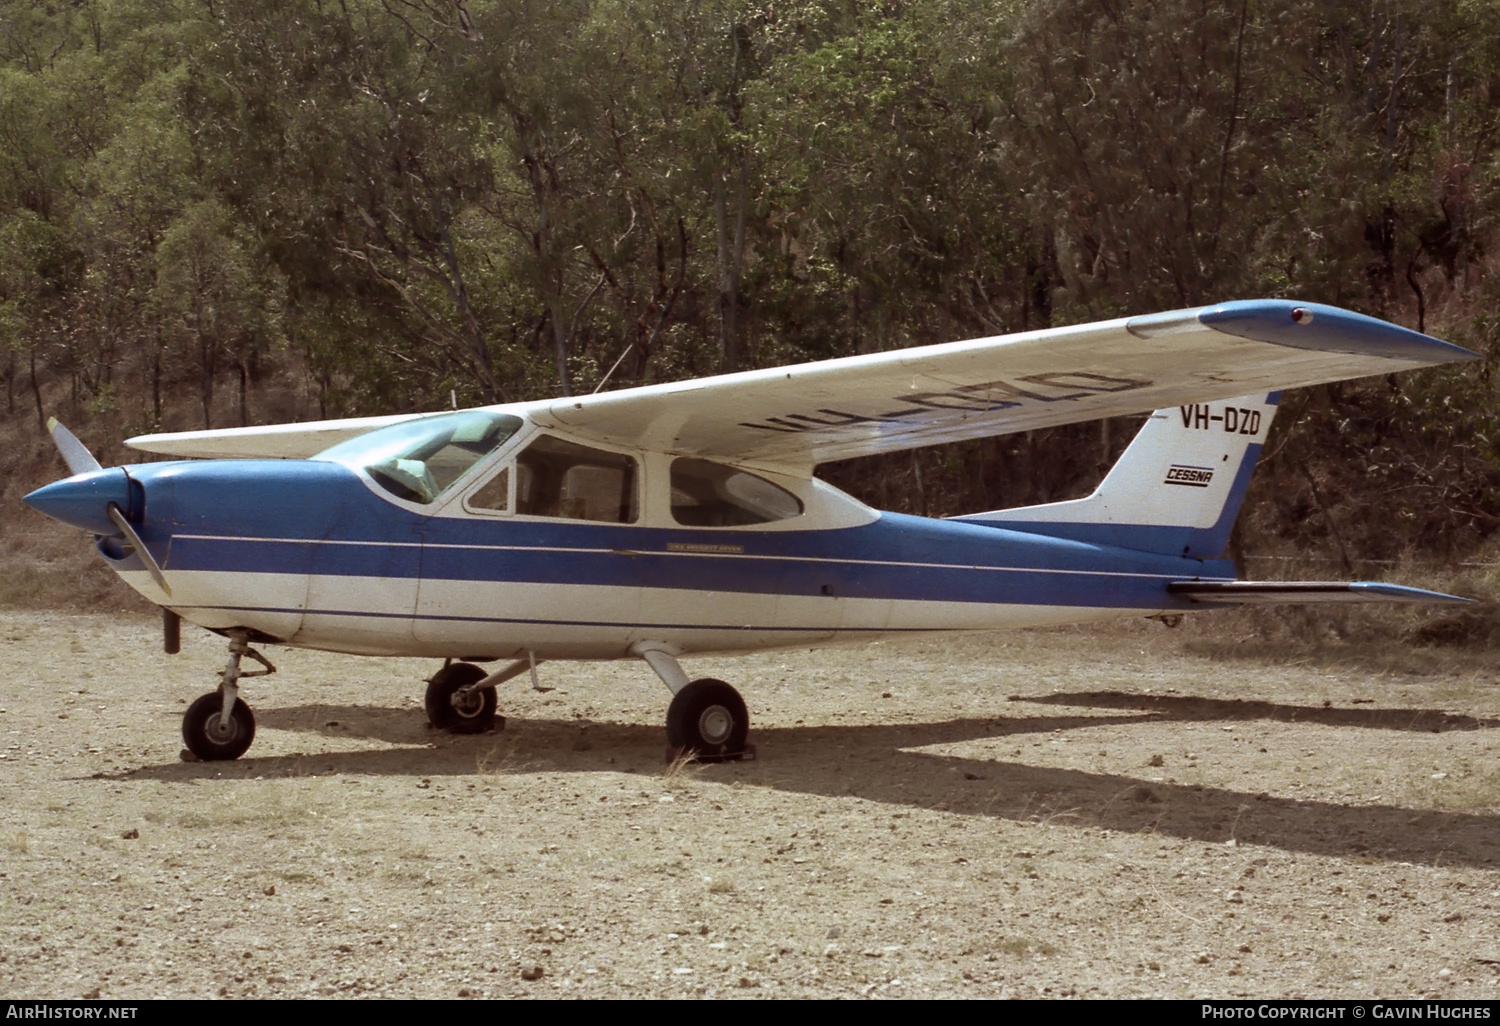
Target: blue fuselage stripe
(312, 518)
(541, 622)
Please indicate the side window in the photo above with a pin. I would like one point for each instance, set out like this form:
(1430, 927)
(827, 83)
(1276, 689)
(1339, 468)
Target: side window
(493, 496)
(555, 478)
(708, 494)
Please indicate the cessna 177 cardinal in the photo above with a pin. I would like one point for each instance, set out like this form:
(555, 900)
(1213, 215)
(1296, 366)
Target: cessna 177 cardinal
(669, 520)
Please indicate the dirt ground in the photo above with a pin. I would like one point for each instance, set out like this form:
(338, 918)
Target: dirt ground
(1125, 811)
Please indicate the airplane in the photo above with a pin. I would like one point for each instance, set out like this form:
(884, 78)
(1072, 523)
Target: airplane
(669, 520)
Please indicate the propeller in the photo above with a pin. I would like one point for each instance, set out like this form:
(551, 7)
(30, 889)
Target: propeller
(118, 519)
(74, 452)
(67, 496)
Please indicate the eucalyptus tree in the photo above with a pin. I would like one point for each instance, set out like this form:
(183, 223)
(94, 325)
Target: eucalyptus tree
(331, 132)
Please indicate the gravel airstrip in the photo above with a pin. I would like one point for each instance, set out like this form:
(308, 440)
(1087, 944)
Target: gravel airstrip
(1121, 811)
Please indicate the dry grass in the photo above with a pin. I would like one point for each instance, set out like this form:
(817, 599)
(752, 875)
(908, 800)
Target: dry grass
(682, 770)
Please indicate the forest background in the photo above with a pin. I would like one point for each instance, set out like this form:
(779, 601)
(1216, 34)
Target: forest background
(217, 213)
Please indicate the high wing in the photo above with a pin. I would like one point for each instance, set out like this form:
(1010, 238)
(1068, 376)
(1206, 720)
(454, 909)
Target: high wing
(795, 417)
(792, 418)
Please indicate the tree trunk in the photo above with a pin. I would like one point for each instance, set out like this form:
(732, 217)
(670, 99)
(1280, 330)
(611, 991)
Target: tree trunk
(244, 387)
(731, 244)
(156, 383)
(36, 390)
(729, 357)
(560, 343)
(206, 383)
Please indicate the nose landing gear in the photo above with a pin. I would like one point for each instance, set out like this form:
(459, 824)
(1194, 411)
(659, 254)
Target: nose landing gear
(219, 726)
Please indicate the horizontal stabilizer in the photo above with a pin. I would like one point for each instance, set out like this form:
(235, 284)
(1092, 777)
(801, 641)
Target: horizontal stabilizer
(1270, 593)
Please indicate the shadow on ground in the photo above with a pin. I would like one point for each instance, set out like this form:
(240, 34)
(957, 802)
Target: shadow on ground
(1186, 708)
(883, 763)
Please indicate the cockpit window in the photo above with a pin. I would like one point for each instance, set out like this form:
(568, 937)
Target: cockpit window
(708, 494)
(421, 459)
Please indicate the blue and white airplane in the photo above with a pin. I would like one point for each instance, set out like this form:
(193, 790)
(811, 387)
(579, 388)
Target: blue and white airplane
(670, 520)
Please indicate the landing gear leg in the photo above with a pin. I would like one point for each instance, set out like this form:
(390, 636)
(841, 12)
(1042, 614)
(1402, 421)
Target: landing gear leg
(461, 699)
(219, 725)
(707, 720)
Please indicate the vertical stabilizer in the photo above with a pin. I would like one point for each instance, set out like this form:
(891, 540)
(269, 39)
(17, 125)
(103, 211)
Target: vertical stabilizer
(1176, 489)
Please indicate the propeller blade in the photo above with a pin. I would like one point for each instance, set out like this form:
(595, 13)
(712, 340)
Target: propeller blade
(118, 519)
(74, 452)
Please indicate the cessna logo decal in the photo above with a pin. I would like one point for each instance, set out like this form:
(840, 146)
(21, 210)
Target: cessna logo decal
(983, 398)
(1193, 477)
(1233, 421)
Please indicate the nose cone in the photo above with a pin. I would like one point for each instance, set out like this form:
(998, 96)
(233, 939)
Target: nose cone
(83, 500)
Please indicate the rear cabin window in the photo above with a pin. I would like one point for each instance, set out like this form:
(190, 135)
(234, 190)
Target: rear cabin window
(708, 494)
(555, 478)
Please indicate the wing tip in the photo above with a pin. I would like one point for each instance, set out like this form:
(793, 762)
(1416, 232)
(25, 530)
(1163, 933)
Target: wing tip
(1316, 326)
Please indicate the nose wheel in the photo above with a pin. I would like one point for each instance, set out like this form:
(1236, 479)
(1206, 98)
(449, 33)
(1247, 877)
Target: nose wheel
(210, 736)
(219, 725)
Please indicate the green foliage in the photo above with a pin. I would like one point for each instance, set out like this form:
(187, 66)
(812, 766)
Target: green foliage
(401, 200)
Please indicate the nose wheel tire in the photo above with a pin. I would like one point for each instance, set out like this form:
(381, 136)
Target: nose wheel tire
(471, 713)
(709, 719)
(210, 738)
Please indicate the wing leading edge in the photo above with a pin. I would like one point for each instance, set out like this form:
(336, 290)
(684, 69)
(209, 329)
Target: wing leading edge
(793, 418)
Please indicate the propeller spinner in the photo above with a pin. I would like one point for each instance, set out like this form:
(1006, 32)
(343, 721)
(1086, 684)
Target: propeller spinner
(93, 499)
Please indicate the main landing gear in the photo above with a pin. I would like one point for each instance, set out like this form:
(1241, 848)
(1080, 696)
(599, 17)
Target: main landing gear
(461, 697)
(220, 725)
(707, 719)
(456, 703)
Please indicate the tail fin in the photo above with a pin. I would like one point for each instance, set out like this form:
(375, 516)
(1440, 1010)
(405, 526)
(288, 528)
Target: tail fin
(1176, 489)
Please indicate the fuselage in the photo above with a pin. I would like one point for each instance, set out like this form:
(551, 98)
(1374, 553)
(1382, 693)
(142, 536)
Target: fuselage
(313, 554)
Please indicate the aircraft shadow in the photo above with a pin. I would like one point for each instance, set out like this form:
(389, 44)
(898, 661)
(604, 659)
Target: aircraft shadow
(877, 763)
(1187, 708)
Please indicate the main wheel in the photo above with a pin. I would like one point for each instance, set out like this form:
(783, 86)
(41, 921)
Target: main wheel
(209, 737)
(708, 718)
(473, 713)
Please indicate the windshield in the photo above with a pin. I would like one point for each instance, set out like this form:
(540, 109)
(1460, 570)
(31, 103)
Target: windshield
(421, 459)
